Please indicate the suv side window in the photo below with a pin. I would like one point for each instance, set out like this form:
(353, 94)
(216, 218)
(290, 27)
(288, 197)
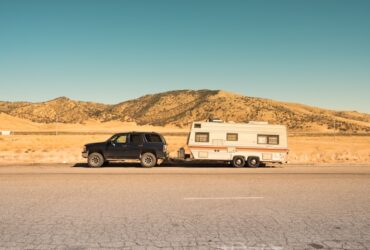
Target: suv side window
(153, 138)
(136, 139)
(122, 139)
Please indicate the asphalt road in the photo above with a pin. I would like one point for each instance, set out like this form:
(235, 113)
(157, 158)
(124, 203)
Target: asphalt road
(66, 207)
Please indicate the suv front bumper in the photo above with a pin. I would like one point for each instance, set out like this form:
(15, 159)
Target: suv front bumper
(85, 154)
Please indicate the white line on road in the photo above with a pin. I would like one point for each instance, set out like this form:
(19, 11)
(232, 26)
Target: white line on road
(224, 198)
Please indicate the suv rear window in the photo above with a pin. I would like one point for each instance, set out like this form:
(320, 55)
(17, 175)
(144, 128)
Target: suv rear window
(153, 138)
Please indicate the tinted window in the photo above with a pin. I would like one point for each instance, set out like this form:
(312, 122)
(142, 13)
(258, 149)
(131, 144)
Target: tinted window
(201, 137)
(153, 138)
(136, 139)
(262, 139)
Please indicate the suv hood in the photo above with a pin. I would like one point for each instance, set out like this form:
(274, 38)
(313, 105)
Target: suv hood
(95, 144)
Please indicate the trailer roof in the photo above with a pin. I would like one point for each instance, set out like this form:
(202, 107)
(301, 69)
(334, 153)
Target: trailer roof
(235, 125)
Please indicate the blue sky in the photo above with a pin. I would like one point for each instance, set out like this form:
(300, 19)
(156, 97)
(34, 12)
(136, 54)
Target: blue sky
(312, 52)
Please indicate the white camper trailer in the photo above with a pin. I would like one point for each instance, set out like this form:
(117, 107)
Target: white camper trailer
(239, 143)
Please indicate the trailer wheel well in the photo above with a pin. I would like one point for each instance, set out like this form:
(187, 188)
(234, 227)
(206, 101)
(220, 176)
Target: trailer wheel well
(238, 156)
(253, 156)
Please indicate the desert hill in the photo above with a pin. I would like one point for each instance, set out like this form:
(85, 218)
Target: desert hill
(181, 107)
(62, 109)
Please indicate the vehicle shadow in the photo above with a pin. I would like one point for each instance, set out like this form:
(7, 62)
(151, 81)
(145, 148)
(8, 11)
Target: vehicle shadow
(177, 164)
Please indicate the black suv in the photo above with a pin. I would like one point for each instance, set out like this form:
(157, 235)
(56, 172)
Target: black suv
(148, 147)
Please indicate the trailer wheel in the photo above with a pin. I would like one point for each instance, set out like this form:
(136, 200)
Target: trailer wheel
(253, 162)
(238, 162)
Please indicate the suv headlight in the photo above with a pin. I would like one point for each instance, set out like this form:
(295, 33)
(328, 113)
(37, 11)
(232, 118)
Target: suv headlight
(165, 148)
(84, 149)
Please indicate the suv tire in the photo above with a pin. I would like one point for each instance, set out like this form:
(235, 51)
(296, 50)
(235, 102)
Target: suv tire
(95, 160)
(148, 160)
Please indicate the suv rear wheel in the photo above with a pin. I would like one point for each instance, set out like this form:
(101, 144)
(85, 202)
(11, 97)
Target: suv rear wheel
(95, 160)
(148, 160)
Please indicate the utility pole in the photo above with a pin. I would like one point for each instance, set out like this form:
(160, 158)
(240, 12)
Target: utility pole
(56, 121)
(335, 127)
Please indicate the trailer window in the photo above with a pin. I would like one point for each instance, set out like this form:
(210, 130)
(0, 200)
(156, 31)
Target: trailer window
(201, 137)
(268, 139)
(262, 139)
(273, 139)
(231, 136)
(197, 125)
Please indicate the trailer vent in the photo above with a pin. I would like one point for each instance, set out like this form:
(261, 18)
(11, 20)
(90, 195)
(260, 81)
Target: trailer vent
(258, 123)
(197, 125)
(215, 120)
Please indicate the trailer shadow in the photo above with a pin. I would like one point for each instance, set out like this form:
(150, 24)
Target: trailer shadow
(180, 164)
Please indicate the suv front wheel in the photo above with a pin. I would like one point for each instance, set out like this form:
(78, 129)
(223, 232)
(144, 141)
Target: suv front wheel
(95, 160)
(148, 160)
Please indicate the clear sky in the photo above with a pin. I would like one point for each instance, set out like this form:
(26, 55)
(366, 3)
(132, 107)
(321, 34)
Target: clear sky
(312, 52)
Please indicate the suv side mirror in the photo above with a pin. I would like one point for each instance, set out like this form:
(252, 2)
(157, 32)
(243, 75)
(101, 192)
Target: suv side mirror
(113, 143)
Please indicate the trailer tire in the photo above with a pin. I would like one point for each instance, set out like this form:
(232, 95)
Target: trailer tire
(238, 161)
(253, 162)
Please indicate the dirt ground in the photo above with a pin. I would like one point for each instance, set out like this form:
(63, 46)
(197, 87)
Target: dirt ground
(67, 148)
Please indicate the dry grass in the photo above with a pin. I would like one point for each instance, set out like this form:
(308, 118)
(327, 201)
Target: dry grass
(67, 148)
(329, 149)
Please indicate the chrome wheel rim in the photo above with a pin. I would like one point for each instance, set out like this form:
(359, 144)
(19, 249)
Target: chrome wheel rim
(148, 160)
(94, 160)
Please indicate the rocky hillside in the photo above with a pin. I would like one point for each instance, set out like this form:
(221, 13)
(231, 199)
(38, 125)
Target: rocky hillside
(62, 109)
(182, 107)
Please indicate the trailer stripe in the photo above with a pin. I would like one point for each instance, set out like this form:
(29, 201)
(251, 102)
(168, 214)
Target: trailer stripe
(239, 148)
